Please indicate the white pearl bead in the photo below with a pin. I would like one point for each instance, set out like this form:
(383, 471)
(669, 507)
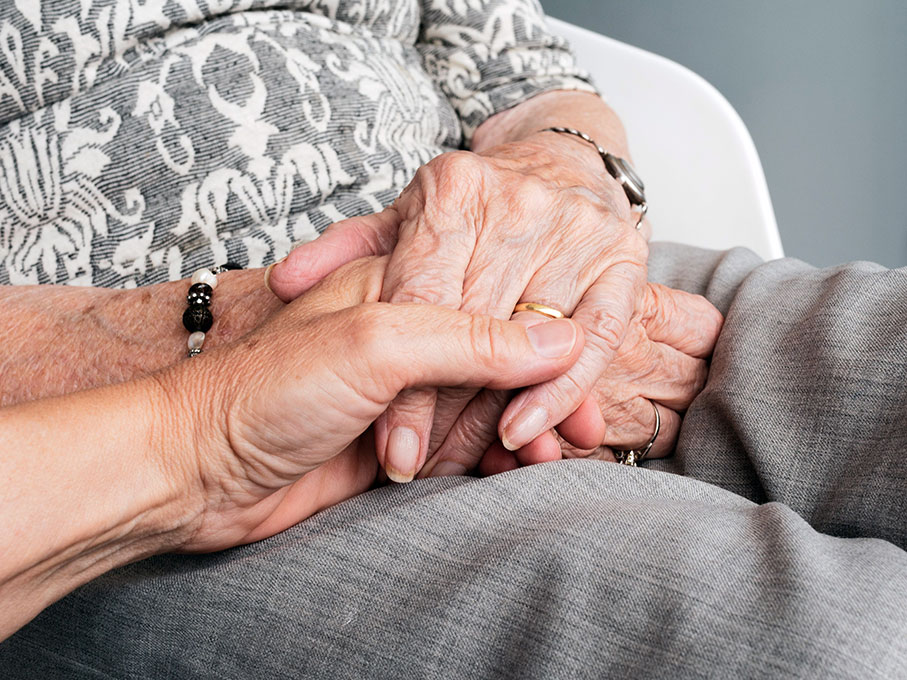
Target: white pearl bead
(205, 276)
(196, 340)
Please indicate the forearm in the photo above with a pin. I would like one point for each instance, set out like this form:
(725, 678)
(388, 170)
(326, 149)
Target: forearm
(580, 110)
(61, 339)
(85, 489)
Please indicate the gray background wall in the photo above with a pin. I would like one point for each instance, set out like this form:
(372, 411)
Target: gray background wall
(822, 87)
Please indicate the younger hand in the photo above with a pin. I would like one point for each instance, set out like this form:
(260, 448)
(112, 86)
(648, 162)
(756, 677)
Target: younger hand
(275, 421)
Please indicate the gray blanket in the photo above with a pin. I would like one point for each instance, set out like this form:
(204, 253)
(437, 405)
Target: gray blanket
(771, 545)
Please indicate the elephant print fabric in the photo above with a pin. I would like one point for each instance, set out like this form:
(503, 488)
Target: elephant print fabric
(143, 139)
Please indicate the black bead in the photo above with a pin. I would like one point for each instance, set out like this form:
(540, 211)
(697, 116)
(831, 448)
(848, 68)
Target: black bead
(230, 265)
(198, 318)
(199, 294)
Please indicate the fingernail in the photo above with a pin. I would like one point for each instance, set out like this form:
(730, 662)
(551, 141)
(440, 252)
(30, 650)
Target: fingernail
(268, 271)
(447, 468)
(526, 426)
(553, 339)
(402, 454)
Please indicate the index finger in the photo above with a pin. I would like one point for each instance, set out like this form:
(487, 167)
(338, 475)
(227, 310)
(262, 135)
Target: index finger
(604, 314)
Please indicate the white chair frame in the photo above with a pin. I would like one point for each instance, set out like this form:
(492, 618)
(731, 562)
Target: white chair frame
(704, 180)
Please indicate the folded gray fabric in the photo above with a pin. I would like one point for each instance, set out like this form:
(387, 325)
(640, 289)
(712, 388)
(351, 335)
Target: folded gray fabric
(582, 569)
(807, 397)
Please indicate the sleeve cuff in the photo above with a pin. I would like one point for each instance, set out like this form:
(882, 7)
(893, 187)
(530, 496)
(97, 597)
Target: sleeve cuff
(479, 86)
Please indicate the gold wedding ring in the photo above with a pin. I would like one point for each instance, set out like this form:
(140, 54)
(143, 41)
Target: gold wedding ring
(544, 310)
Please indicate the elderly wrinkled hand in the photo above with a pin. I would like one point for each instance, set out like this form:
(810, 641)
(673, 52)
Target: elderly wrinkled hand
(661, 363)
(481, 233)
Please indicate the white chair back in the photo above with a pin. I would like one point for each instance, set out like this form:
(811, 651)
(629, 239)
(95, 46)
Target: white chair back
(703, 177)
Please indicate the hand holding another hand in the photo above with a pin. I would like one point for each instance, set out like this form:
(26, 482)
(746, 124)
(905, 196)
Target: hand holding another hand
(482, 232)
(276, 418)
(537, 220)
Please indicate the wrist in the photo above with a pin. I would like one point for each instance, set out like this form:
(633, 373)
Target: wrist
(189, 413)
(101, 494)
(619, 169)
(567, 162)
(575, 161)
(578, 157)
(148, 322)
(580, 110)
(198, 400)
(240, 304)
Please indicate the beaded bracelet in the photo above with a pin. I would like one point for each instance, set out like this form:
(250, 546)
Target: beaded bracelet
(197, 319)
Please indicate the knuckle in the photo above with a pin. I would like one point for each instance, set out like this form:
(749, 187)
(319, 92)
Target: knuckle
(607, 329)
(464, 161)
(487, 343)
(364, 328)
(445, 196)
(531, 193)
(456, 170)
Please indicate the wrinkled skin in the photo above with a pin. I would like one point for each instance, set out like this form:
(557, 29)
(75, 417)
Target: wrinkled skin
(483, 232)
(277, 418)
(288, 408)
(662, 361)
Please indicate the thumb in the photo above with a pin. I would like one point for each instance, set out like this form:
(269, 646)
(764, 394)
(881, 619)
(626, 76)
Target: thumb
(415, 345)
(314, 385)
(342, 242)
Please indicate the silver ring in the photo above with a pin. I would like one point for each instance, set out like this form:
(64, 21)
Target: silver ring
(644, 208)
(632, 457)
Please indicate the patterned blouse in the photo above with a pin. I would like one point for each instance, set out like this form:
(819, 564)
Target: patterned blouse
(142, 140)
